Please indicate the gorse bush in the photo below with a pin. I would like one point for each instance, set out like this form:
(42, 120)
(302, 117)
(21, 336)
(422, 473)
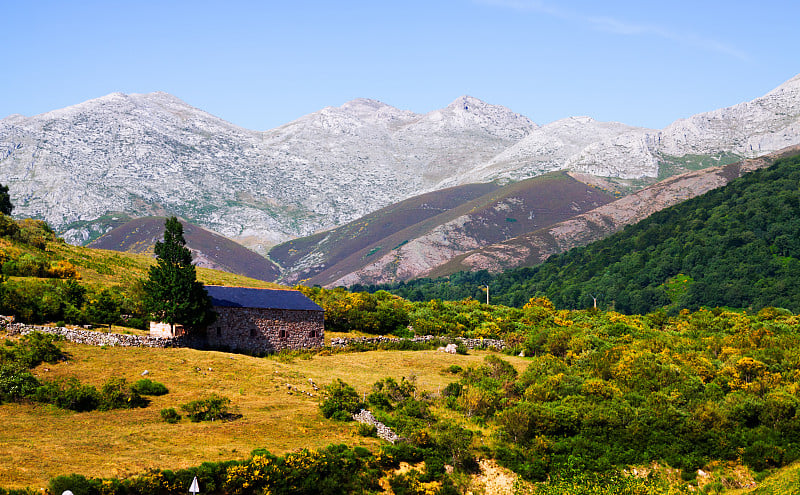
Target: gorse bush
(73, 395)
(335, 470)
(68, 394)
(170, 415)
(16, 382)
(212, 408)
(117, 394)
(341, 402)
(145, 386)
(32, 350)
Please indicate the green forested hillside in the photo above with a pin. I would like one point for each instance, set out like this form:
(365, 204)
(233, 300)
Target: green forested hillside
(737, 246)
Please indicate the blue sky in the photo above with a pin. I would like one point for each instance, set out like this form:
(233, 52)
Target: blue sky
(263, 64)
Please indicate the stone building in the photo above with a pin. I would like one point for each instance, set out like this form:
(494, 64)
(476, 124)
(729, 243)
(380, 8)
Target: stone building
(264, 320)
(255, 320)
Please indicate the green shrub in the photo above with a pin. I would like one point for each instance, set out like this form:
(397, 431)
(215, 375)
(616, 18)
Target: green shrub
(212, 408)
(32, 350)
(342, 401)
(116, 394)
(69, 394)
(16, 382)
(452, 390)
(76, 483)
(170, 415)
(145, 386)
(367, 430)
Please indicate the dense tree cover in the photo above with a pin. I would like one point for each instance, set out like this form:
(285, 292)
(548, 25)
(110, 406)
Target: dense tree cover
(6, 207)
(380, 313)
(737, 246)
(67, 301)
(383, 313)
(172, 293)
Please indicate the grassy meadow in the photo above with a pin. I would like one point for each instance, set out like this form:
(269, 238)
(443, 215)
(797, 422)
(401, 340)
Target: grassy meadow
(39, 441)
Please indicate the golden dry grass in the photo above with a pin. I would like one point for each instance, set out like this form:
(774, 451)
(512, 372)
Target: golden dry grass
(106, 268)
(39, 442)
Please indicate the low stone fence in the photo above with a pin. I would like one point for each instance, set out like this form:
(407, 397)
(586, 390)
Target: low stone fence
(384, 432)
(90, 337)
(468, 343)
(80, 336)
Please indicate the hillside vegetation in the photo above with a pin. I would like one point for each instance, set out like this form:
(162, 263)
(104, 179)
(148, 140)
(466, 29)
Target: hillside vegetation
(209, 250)
(48, 280)
(597, 392)
(736, 246)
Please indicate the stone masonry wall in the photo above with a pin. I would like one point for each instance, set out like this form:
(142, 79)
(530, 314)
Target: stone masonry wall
(266, 330)
(468, 343)
(383, 431)
(90, 337)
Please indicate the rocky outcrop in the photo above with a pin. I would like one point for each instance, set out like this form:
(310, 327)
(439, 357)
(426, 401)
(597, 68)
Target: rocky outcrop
(152, 154)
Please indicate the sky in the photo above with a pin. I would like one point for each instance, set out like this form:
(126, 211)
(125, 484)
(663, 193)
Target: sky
(261, 64)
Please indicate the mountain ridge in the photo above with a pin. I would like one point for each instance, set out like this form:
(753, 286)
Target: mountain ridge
(153, 154)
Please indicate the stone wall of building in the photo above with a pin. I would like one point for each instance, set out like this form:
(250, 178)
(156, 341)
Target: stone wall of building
(266, 330)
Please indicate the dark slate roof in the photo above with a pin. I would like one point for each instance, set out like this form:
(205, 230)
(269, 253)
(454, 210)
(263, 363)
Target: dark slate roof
(246, 297)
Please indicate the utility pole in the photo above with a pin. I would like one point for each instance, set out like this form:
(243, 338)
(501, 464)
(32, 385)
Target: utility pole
(487, 293)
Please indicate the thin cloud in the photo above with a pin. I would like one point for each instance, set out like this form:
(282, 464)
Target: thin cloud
(619, 27)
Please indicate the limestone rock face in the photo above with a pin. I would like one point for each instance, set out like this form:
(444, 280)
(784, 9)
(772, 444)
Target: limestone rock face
(153, 154)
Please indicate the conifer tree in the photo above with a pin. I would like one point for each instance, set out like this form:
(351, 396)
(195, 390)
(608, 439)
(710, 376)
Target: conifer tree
(172, 293)
(5, 201)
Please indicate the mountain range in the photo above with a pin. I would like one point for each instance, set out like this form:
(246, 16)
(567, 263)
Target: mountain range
(86, 168)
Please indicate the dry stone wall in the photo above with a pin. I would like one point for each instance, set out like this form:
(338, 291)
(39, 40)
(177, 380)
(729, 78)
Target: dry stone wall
(91, 337)
(468, 343)
(384, 432)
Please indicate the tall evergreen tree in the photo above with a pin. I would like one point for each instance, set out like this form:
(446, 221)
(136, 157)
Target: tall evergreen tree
(5, 201)
(172, 293)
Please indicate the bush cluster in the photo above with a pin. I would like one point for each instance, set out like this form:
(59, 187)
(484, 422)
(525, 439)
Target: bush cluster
(39, 301)
(18, 383)
(211, 408)
(334, 470)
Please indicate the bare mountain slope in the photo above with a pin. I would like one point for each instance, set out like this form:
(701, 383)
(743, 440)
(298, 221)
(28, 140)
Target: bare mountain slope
(306, 257)
(501, 214)
(533, 248)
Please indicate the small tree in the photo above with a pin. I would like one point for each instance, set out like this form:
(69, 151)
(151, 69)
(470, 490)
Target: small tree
(172, 292)
(5, 201)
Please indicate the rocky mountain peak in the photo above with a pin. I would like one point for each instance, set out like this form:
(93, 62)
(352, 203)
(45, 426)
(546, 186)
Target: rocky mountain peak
(152, 153)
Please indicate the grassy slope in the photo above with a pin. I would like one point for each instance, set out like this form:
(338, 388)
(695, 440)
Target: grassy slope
(140, 235)
(107, 268)
(39, 442)
(493, 217)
